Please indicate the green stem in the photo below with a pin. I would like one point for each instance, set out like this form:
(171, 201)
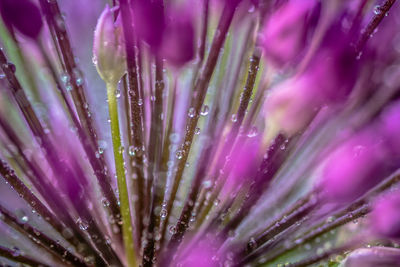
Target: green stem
(121, 179)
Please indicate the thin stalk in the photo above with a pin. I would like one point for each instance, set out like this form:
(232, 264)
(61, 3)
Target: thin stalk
(267, 170)
(11, 255)
(68, 180)
(295, 214)
(202, 48)
(240, 114)
(41, 183)
(155, 153)
(94, 161)
(317, 258)
(40, 238)
(136, 115)
(22, 190)
(60, 36)
(130, 250)
(373, 24)
(200, 90)
(159, 193)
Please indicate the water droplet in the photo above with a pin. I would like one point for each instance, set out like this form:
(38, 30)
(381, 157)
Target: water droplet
(131, 151)
(192, 113)
(174, 138)
(252, 244)
(16, 252)
(197, 131)
(234, 118)
(105, 202)
(163, 213)
(117, 93)
(204, 111)
(172, 229)
(82, 224)
(22, 216)
(179, 154)
(253, 132)
(121, 149)
(377, 10)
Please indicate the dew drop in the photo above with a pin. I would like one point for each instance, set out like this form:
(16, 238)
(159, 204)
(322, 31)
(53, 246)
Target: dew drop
(192, 113)
(82, 224)
(16, 252)
(204, 111)
(117, 93)
(172, 229)
(163, 214)
(234, 118)
(131, 151)
(105, 202)
(253, 132)
(179, 154)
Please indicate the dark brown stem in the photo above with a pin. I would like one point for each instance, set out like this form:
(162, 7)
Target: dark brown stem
(230, 140)
(11, 255)
(136, 116)
(155, 153)
(373, 24)
(202, 48)
(41, 183)
(68, 180)
(200, 90)
(40, 238)
(61, 39)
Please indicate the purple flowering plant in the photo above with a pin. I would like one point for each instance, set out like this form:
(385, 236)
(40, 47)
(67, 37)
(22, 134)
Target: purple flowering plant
(199, 133)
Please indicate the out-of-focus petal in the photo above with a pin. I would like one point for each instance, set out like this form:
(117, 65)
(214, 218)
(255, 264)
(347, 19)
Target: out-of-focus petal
(22, 15)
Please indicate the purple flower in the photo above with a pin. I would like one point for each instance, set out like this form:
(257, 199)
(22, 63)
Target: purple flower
(327, 80)
(202, 254)
(365, 159)
(178, 45)
(285, 32)
(385, 217)
(22, 15)
(372, 257)
(149, 21)
(355, 167)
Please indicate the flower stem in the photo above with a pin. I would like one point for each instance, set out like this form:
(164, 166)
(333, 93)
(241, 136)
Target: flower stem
(200, 90)
(10, 254)
(120, 171)
(373, 24)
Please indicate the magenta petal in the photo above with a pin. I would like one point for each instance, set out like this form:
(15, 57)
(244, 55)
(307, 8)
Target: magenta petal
(23, 15)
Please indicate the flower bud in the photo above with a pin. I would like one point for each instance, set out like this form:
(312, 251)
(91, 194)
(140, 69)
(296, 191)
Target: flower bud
(365, 159)
(22, 15)
(372, 257)
(178, 41)
(328, 80)
(385, 216)
(355, 167)
(108, 48)
(285, 32)
(149, 20)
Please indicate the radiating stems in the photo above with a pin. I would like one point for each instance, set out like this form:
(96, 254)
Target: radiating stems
(10, 254)
(40, 238)
(228, 146)
(200, 90)
(136, 111)
(130, 250)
